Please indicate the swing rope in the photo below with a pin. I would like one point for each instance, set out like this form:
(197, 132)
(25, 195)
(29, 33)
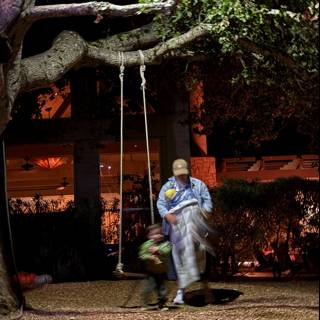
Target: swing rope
(143, 87)
(119, 267)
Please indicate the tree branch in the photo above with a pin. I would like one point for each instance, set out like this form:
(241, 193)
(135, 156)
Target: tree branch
(294, 15)
(134, 39)
(40, 70)
(8, 13)
(278, 55)
(70, 49)
(97, 8)
(151, 56)
(178, 42)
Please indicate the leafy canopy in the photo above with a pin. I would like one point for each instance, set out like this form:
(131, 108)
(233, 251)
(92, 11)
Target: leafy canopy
(274, 49)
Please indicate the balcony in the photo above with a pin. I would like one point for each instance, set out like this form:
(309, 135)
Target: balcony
(268, 168)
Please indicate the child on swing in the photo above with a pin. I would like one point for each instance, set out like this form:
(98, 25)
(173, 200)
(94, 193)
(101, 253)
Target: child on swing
(155, 252)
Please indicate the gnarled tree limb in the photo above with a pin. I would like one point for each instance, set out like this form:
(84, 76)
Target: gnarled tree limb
(70, 49)
(97, 8)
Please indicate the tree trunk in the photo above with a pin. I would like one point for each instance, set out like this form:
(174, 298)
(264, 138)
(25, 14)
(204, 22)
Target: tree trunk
(11, 299)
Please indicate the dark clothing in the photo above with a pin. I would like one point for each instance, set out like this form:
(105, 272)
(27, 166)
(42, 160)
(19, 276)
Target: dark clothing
(155, 281)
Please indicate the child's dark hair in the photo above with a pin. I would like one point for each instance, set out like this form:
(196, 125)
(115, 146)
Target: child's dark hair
(154, 227)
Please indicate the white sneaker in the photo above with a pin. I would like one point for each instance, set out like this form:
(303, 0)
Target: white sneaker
(179, 297)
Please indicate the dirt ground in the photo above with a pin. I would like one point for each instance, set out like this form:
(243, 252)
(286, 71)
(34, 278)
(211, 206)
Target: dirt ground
(250, 300)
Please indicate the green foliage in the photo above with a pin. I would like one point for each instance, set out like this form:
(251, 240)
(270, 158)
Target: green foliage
(275, 52)
(242, 193)
(294, 33)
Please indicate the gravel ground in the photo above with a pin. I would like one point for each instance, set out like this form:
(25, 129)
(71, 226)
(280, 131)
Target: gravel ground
(100, 300)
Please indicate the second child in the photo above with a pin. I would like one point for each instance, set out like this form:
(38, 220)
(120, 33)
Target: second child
(155, 252)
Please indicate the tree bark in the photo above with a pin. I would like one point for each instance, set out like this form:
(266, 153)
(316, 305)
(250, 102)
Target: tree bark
(97, 8)
(11, 299)
(70, 49)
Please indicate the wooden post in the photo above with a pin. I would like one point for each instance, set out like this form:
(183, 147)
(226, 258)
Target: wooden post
(87, 170)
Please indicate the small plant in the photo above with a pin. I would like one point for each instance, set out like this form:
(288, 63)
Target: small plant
(38, 205)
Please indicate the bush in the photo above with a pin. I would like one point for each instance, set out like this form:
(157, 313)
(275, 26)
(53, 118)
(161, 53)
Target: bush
(251, 216)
